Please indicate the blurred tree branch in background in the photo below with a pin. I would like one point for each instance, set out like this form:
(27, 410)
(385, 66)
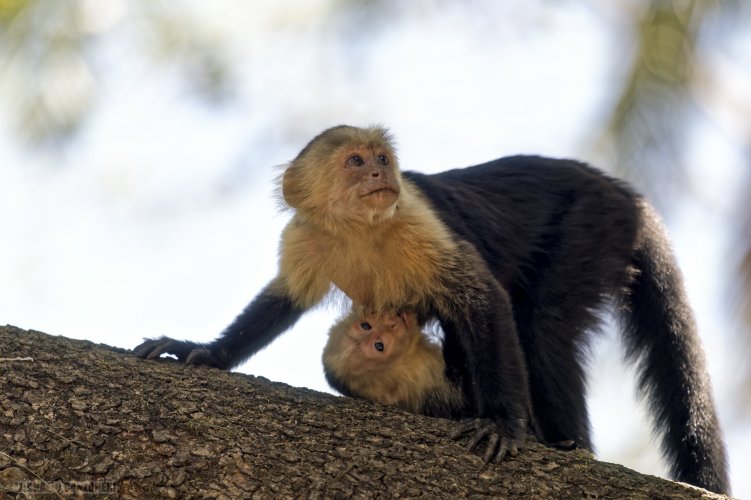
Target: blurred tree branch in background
(647, 126)
(743, 298)
(674, 77)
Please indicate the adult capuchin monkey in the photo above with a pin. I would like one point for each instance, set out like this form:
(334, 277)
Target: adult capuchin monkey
(514, 258)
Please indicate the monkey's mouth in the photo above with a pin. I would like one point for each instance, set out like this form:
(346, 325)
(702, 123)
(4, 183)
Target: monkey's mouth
(382, 191)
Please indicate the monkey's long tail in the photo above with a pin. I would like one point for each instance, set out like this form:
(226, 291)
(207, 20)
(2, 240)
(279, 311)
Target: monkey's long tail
(661, 337)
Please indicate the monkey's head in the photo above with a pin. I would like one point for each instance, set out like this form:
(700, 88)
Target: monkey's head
(345, 174)
(385, 358)
(366, 344)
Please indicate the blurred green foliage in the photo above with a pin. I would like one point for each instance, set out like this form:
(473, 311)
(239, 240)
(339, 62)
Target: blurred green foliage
(9, 9)
(48, 58)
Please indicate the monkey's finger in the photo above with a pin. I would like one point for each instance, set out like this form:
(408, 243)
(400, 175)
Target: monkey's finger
(479, 435)
(144, 348)
(513, 449)
(502, 449)
(490, 450)
(159, 349)
(199, 357)
(567, 445)
(463, 428)
(487, 430)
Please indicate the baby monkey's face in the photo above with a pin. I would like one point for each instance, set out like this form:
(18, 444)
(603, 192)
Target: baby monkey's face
(381, 338)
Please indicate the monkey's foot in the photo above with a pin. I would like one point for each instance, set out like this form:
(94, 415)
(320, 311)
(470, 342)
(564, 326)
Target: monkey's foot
(188, 352)
(566, 445)
(500, 443)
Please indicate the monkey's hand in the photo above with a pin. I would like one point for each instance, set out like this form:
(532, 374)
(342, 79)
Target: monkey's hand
(500, 442)
(191, 353)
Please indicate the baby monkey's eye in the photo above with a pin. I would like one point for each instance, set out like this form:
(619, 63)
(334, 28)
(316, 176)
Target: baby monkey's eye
(379, 346)
(383, 160)
(365, 325)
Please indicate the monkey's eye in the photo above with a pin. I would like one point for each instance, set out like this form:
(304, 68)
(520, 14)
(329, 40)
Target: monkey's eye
(365, 326)
(379, 346)
(383, 160)
(355, 161)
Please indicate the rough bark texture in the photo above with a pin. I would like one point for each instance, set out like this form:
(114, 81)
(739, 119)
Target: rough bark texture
(78, 418)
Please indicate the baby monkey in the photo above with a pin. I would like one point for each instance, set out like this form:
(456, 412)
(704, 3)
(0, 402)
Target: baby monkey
(388, 359)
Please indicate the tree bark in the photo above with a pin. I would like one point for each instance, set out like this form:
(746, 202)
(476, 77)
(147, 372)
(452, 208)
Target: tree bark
(80, 418)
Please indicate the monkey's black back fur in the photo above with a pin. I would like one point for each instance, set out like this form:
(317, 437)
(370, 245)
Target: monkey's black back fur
(564, 240)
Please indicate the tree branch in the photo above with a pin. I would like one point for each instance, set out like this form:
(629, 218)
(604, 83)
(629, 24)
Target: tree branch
(90, 418)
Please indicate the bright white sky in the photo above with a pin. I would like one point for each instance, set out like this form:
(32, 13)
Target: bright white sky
(160, 218)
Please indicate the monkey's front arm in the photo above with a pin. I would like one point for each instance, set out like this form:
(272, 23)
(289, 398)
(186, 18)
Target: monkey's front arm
(268, 315)
(478, 321)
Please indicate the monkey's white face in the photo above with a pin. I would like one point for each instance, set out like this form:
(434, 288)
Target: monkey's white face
(346, 175)
(379, 339)
(368, 184)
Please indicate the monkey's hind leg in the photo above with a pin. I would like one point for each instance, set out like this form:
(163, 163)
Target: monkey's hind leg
(557, 382)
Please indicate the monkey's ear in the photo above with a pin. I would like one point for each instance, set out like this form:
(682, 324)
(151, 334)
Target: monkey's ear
(410, 319)
(293, 186)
